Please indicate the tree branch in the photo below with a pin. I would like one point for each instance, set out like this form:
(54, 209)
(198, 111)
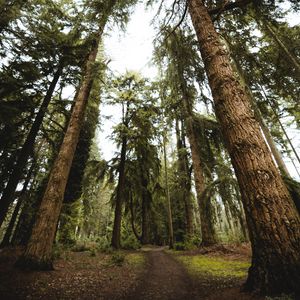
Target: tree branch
(229, 6)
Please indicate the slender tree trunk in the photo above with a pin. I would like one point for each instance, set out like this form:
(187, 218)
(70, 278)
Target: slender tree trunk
(132, 220)
(8, 193)
(170, 222)
(207, 225)
(258, 115)
(145, 218)
(38, 254)
(285, 133)
(270, 31)
(273, 222)
(116, 234)
(208, 234)
(185, 182)
(6, 239)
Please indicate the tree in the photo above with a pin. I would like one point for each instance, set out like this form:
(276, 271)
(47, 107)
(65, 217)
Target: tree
(38, 254)
(137, 165)
(267, 203)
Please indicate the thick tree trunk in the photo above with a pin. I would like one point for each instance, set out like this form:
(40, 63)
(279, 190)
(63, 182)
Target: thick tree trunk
(116, 234)
(170, 222)
(8, 193)
(38, 254)
(274, 224)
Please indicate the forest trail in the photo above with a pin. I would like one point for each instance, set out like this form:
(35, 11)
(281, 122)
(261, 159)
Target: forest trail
(164, 278)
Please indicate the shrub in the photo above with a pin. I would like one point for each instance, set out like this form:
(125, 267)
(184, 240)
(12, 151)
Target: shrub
(131, 243)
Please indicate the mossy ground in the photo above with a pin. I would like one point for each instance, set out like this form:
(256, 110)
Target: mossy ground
(214, 266)
(135, 259)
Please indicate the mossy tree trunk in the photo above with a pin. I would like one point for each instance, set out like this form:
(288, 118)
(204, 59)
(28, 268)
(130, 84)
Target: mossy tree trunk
(273, 222)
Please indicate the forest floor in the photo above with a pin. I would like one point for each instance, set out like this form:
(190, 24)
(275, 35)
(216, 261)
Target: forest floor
(212, 273)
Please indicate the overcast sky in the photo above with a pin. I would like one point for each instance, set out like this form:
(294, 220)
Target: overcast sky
(132, 50)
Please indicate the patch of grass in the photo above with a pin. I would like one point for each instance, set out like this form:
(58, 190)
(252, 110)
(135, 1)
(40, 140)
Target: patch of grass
(214, 266)
(135, 259)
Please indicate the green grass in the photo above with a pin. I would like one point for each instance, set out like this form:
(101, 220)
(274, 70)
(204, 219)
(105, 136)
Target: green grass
(214, 266)
(135, 259)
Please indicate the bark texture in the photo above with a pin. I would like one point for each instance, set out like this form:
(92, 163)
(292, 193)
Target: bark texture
(273, 222)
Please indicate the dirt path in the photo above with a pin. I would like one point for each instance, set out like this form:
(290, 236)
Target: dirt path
(164, 279)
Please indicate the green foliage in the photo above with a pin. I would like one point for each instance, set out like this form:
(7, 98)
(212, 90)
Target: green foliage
(190, 243)
(136, 259)
(131, 243)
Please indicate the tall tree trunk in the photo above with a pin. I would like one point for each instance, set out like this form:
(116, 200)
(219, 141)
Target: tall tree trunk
(38, 254)
(116, 234)
(208, 234)
(73, 189)
(185, 181)
(170, 222)
(274, 224)
(207, 225)
(8, 193)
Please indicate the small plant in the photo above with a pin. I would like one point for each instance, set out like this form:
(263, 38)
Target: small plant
(131, 243)
(118, 259)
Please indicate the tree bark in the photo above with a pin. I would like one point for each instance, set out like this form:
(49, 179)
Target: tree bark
(8, 193)
(116, 234)
(273, 222)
